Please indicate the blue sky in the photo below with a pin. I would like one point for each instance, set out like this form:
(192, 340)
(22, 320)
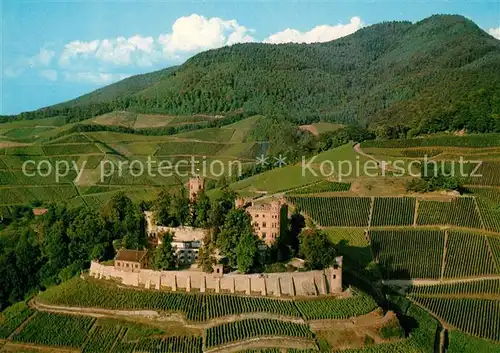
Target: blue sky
(58, 50)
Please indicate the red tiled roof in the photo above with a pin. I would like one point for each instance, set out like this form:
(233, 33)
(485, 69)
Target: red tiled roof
(131, 255)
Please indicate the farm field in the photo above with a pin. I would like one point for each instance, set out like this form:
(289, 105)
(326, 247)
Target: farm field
(83, 152)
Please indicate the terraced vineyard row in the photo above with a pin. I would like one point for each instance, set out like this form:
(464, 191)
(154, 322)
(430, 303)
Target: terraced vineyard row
(102, 338)
(491, 286)
(478, 317)
(55, 330)
(246, 329)
(397, 211)
(408, 253)
(412, 253)
(12, 317)
(336, 211)
(337, 309)
(171, 345)
(199, 307)
(489, 173)
(468, 255)
(393, 211)
(461, 212)
(322, 186)
(473, 140)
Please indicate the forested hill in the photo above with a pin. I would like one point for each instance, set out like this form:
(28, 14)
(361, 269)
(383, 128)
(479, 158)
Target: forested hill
(436, 74)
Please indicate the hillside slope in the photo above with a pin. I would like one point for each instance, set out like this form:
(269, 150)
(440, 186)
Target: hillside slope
(443, 67)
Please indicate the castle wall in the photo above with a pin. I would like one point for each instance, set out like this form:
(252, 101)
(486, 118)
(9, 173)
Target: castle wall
(270, 284)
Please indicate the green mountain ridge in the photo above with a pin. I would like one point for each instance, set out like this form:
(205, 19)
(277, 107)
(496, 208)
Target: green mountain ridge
(440, 73)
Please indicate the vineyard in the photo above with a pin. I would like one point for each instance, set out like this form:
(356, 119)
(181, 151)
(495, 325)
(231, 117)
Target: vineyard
(12, 317)
(408, 253)
(171, 345)
(489, 172)
(460, 212)
(477, 140)
(478, 317)
(337, 309)
(101, 338)
(322, 186)
(191, 148)
(81, 293)
(464, 289)
(246, 329)
(393, 211)
(468, 255)
(335, 211)
(55, 330)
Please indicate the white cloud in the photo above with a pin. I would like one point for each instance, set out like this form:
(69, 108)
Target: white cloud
(195, 33)
(78, 48)
(12, 72)
(136, 50)
(495, 32)
(323, 33)
(189, 35)
(96, 78)
(50, 75)
(43, 58)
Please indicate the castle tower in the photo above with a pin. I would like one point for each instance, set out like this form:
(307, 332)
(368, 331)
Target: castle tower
(195, 186)
(334, 275)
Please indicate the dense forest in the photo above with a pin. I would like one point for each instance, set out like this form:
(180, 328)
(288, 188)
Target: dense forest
(438, 74)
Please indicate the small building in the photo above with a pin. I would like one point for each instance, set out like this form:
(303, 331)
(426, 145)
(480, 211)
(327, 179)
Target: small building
(195, 186)
(131, 260)
(187, 240)
(268, 219)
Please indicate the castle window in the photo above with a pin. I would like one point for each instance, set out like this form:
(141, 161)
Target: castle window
(334, 276)
(263, 234)
(264, 224)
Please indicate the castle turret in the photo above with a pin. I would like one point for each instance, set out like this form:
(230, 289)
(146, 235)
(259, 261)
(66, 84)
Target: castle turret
(334, 275)
(195, 186)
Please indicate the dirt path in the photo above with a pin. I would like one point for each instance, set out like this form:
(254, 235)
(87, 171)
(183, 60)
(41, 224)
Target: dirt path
(426, 282)
(381, 164)
(263, 343)
(14, 347)
(374, 318)
(160, 317)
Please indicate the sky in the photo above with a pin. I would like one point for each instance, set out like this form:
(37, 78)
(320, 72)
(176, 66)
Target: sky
(53, 51)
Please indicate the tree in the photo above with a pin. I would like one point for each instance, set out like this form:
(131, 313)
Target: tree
(165, 257)
(317, 249)
(237, 224)
(246, 252)
(201, 210)
(161, 207)
(179, 208)
(206, 254)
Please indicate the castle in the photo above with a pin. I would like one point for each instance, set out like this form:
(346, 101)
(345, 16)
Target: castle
(268, 219)
(195, 186)
(129, 270)
(187, 240)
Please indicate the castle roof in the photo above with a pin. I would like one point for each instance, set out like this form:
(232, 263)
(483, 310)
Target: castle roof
(131, 255)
